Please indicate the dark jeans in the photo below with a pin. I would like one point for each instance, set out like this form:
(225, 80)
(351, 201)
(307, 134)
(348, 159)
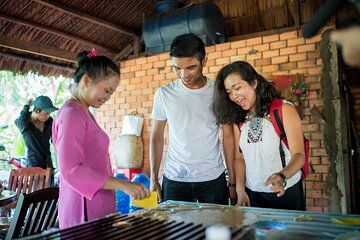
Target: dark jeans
(293, 199)
(214, 191)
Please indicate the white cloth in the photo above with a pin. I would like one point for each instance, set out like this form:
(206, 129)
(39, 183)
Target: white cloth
(194, 151)
(262, 158)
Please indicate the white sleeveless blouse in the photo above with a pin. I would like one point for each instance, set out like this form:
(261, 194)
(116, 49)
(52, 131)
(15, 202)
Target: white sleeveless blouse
(260, 147)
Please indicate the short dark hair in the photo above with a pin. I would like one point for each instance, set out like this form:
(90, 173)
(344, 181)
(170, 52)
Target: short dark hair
(187, 45)
(96, 67)
(225, 110)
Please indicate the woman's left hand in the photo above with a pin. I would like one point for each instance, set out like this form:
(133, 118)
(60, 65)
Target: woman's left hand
(277, 184)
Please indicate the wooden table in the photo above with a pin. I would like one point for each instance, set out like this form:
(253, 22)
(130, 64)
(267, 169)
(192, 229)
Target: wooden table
(7, 197)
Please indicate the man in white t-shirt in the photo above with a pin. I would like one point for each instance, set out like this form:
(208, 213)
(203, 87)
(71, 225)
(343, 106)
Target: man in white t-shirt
(193, 166)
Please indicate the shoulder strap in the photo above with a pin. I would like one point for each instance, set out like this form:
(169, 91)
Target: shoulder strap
(277, 121)
(276, 118)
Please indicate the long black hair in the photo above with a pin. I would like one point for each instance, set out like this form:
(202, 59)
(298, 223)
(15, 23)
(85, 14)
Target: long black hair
(227, 111)
(96, 67)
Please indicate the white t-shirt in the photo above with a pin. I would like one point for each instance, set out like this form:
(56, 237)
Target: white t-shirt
(260, 148)
(194, 151)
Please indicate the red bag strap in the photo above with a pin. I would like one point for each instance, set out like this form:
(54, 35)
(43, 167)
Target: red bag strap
(276, 118)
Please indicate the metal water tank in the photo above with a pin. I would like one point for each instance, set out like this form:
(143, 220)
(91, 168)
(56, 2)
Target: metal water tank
(204, 20)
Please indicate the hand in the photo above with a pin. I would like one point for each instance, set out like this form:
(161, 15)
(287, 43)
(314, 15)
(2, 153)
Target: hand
(348, 39)
(277, 184)
(30, 102)
(135, 190)
(242, 198)
(232, 194)
(155, 186)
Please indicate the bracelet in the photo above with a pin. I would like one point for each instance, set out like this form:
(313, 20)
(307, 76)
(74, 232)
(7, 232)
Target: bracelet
(283, 178)
(232, 184)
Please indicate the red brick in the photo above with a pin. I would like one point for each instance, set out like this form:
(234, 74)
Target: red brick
(152, 59)
(223, 61)
(314, 71)
(271, 38)
(135, 68)
(159, 64)
(214, 55)
(140, 61)
(253, 57)
(253, 41)
(130, 63)
(152, 71)
(277, 45)
(321, 168)
(306, 64)
(140, 73)
(287, 66)
(271, 53)
(261, 48)
(297, 57)
(222, 47)
(306, 48)
(164, 56)
(244, 50)
(281, 59)
(289, 35)
(270, 68)
(147, 66)
(295, 42)
(229, 52)
(238, 44)
(262, 62)
(318, 152)
(239, 57)
(313, 55)
(288, 50)
(210, 49)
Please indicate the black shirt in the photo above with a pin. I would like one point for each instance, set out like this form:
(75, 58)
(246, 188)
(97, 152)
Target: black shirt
(37, 142)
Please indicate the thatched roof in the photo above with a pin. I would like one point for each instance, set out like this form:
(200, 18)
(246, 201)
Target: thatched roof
(46, 35)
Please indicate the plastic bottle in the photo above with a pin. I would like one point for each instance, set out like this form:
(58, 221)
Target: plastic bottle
(122, 199)
(217, 232)
(140, 178)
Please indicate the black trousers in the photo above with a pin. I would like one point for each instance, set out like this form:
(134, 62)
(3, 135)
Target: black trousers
(293, 199)
(214, 191)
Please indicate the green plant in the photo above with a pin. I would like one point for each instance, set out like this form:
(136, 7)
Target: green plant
(300, 89)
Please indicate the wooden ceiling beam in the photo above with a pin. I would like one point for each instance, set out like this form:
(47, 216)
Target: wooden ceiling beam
(56, 32)
(49, 64)
(86, 17)
(37, 49)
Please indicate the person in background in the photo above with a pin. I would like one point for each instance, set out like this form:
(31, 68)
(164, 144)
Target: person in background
(243, 96)
(193, 167)
(86, 182)
(35, 127)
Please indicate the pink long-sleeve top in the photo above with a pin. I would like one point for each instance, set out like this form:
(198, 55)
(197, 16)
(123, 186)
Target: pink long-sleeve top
(82, 152)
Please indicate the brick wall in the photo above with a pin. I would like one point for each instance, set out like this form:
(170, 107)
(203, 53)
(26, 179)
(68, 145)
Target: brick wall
(278, 54)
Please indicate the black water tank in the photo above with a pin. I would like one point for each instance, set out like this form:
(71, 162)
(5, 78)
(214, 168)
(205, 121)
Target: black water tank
(204, 20)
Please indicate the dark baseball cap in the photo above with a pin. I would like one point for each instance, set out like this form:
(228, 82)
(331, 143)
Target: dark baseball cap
(45, 104)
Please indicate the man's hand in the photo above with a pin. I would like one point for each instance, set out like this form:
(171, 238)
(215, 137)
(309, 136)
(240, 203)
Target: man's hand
(232, 195)
(242, 198)
(155, 186)
(30, 102)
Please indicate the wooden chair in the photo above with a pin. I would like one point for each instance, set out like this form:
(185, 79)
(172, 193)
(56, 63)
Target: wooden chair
(34, 213)
(26, 180)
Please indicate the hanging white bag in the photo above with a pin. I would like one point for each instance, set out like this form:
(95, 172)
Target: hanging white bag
(132, 124)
